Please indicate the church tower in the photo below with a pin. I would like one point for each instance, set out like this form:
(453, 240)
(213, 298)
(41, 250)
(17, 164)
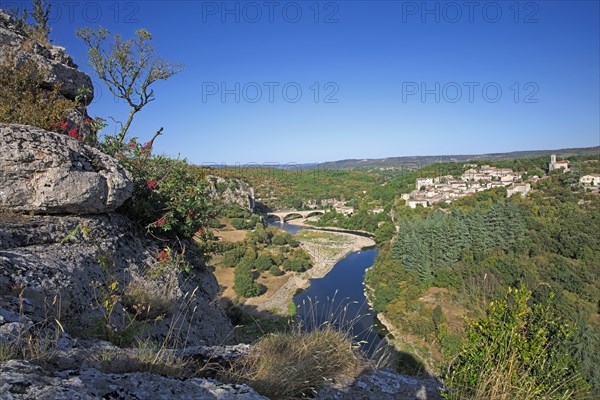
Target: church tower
(552, 162)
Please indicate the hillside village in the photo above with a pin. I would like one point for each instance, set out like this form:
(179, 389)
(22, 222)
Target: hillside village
(475, 179)
(446, 188)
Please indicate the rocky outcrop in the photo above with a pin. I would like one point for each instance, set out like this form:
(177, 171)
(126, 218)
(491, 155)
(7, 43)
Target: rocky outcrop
(46, 172)
(231, 191)
(63, 267)
(384, 385)
(17, 48)
(87, 368)
(23, 380)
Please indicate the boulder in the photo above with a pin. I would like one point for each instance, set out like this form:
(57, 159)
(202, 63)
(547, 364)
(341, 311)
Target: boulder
(23, 380)
(59, 67)
(46, 172)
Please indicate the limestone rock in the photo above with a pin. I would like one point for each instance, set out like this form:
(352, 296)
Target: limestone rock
(60, 69)
(23, 380)
(46, 172)
(60, 266)
(231, 191)
(222, 355)
(385, 385)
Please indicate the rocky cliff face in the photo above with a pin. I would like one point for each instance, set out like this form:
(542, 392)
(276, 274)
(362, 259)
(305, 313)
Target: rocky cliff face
(23, 380)
(231, 191)
(73, 257)
(17, 48)
(68, 258)
(61, 267)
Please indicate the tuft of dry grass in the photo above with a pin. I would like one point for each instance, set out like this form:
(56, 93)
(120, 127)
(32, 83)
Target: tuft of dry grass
(147, 357)
(318, 348)
(35, 343)
(9, 351)
(29, 341)
(294, 364)
(149, 299)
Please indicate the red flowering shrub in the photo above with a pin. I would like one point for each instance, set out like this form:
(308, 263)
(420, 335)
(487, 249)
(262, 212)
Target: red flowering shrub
(176, 259)
(168, 197)
(63, 125)
(74, 131)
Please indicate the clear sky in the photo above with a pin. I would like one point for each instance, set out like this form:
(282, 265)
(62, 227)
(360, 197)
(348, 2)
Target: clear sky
(306, 81)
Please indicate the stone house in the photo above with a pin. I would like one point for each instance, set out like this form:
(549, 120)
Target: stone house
(518, 188)
(590, 180)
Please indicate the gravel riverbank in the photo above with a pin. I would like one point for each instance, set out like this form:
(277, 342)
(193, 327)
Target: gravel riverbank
(323, 258)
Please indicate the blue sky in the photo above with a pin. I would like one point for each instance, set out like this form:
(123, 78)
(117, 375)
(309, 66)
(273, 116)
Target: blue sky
(377, 79)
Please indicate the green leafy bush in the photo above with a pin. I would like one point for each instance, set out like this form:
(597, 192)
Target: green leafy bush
(516, 351)
(298, 261)
(283, 238)
(167, 197)
(243, 223)
(232, 257)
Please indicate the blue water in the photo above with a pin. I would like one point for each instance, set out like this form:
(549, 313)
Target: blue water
(293, 229)
(339, 297)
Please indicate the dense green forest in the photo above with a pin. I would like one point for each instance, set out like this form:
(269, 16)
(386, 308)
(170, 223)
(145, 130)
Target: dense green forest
(479, 246)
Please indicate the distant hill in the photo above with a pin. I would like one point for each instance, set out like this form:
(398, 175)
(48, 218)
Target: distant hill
(419, 161)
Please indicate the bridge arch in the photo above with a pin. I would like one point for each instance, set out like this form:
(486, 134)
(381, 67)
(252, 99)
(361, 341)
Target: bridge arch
(298, 213)
(283, 215)
(313, 213)
(271, 216)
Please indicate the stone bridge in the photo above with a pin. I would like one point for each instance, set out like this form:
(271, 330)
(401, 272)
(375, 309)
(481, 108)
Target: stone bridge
(282, 215)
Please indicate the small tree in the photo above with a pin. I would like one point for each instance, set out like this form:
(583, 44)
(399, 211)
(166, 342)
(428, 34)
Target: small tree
(243, 281)
(275, 270)
(128, 67)
(279, 239)
(263, 262)
(438, 317)
(232, 257)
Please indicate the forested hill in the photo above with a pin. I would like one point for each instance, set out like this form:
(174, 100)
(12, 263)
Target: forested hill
(449, 263)
(420, 161)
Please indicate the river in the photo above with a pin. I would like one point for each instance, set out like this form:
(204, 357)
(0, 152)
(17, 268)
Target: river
(339, 297)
